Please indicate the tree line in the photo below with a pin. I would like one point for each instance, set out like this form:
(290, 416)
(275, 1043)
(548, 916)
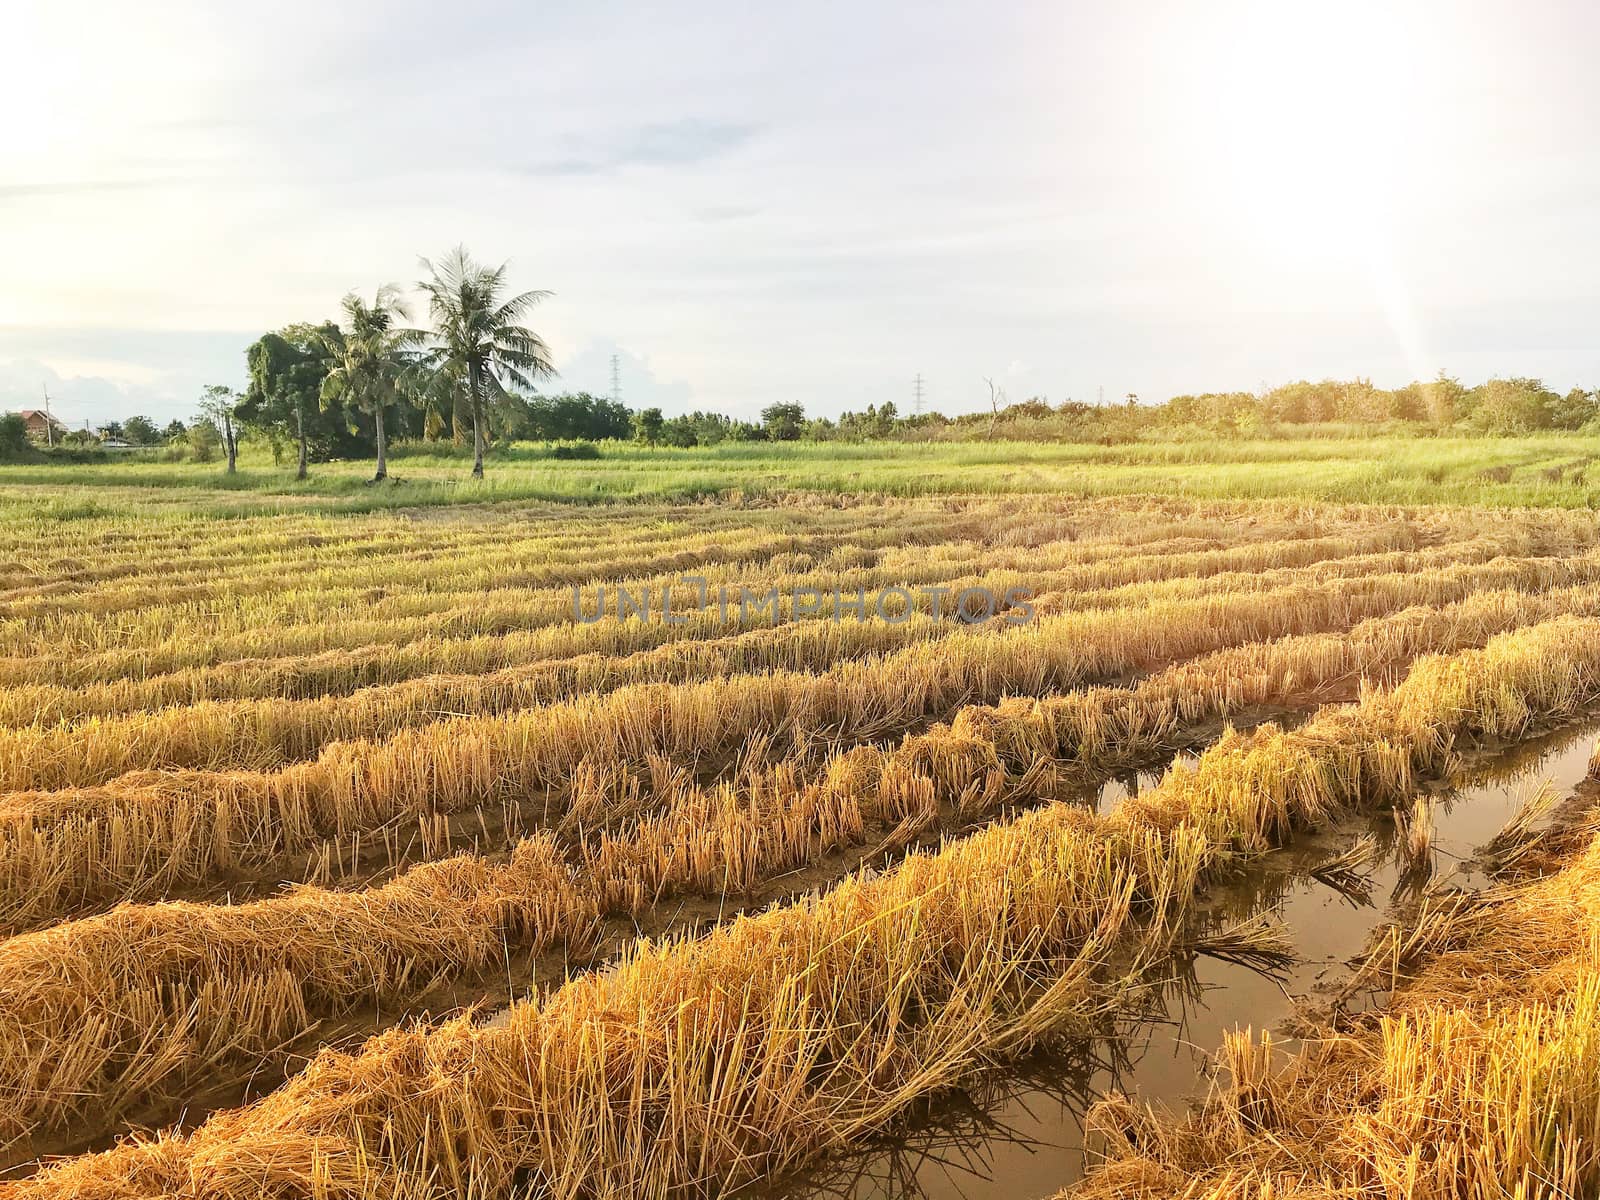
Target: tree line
(347, 388)
(321, 386)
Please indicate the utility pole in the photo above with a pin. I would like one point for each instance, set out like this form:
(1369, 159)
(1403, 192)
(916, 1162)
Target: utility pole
(916, 394)
(1100, 396)
(49, 421)
(616, 379)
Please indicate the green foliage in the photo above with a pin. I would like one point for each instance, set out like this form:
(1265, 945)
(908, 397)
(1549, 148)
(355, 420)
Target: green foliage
(567, 417)
(783, 422)
(680, 432)
(74, 446)
(205, 441)
(141, 431)
(1511, 406)
(577, 451)
(712, 429)
(874, 423)
(1221, 412)
(694, 429)
(480, 348)
(1576, 410)
(14, 442)
(366, 354)
(647, 425)
(1438, 402)
(286, 370)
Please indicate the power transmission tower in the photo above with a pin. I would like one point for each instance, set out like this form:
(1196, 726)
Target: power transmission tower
(616, 379)
(916, 394)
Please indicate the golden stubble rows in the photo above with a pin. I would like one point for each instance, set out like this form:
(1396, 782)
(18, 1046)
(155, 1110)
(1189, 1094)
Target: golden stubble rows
(148, 992)
(700, 1064)
(646, 765)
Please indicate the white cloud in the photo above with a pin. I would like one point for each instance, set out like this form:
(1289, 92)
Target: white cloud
(590, 370)
(816, 203)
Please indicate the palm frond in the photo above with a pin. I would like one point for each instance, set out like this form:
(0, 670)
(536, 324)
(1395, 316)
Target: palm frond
(513, 308)
(476, 333)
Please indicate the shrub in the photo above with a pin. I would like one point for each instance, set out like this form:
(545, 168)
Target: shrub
(204, 441)
(577, 450)
(13, 436)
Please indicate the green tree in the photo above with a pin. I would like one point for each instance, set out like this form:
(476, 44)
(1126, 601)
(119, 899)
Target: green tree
(203, 440)
(578, 415)
(783, 422)
(284, 397)
(1300, 402)
(681, 432)
(141, 431)
(647, 425)
(1360, 401)
(218, 406)
(1511, 405)
(1444, 400)
(441, 403)
(13, 436)
(1574, 410)
(480, 344)
(820, 429)
(175, 431)
(370, 359)
(110, 430)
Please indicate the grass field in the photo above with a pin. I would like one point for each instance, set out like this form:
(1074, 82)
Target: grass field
(1532, 471)
(342, 856)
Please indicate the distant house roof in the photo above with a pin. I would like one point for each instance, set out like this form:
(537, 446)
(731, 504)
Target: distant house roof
(36, 419)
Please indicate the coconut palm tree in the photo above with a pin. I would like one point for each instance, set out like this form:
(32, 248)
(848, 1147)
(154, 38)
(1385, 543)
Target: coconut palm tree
(371, 360)
(480, 344)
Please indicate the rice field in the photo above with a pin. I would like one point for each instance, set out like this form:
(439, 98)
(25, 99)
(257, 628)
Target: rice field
(672, 849)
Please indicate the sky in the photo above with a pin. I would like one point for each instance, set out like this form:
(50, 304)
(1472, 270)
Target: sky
(815, 203)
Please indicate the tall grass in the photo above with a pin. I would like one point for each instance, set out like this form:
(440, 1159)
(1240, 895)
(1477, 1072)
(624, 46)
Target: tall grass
(1380, 469)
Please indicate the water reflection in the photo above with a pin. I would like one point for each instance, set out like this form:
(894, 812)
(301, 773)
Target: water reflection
(1020, 1133)
(1021, 1126)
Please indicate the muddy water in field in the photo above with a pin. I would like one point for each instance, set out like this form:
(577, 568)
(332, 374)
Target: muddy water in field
(1020, 1134)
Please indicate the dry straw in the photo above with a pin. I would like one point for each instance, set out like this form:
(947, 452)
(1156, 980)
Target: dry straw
(716, 760)
(1478, 1083)
(701, 1065)
(124, 992)
(272, 731)
(67, 851)
(536, 626)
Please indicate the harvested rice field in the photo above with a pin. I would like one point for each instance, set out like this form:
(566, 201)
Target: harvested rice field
(800, 845)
